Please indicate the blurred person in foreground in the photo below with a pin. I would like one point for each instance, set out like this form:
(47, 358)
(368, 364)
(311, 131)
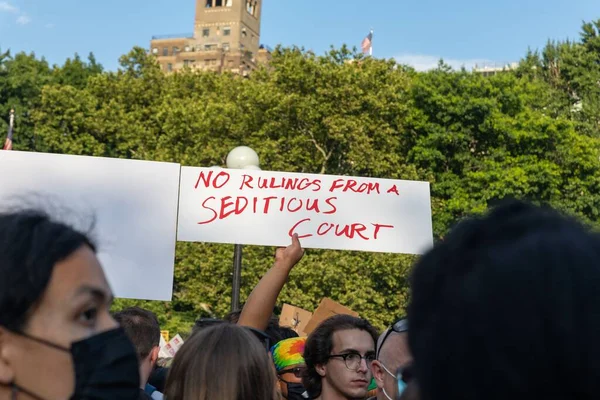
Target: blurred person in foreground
(338, 356)
(224, 362)
(57, 338)
(508, 307)
(290, 366)
(142, 328)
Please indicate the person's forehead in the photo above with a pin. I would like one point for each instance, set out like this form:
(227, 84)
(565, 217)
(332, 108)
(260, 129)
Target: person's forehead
(80, 270)
(356, 339)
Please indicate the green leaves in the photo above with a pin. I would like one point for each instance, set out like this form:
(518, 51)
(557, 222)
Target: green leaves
(476, 139)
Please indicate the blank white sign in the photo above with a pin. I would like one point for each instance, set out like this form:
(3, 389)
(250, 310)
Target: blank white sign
(134, 202)
(331, 212)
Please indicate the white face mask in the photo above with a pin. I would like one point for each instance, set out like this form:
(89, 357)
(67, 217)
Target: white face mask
(401, 384)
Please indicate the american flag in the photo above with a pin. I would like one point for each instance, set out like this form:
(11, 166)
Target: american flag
(367, 44)
(11, 123)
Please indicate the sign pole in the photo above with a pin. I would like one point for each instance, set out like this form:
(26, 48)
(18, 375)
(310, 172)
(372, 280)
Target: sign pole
(237, 277)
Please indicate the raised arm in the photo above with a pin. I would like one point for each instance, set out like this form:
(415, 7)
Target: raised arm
(260, 304)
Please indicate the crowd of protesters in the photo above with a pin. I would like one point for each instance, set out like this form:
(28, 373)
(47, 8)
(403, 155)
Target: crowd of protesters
(507, 306)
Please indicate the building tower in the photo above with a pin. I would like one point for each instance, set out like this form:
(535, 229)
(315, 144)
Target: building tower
(226, 38)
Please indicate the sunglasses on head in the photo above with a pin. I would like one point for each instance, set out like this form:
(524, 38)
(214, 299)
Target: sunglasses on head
(262, 337)
(398, 327)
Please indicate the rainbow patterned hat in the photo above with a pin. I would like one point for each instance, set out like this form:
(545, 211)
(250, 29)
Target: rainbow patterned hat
(288, 352)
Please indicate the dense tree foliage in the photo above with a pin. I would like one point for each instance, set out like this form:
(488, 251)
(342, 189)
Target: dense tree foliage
(530, 133)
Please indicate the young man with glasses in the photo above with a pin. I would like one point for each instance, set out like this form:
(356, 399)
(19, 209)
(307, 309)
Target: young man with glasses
(392, 355)
(338, 356)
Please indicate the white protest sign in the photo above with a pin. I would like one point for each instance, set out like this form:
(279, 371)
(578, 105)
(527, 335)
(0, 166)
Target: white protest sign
(333, 212)
(171, 348)
(134, 203)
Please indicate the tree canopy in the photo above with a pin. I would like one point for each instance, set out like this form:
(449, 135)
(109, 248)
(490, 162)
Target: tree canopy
(530, 133)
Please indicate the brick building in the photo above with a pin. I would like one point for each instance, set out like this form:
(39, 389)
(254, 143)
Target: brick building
(226, 38)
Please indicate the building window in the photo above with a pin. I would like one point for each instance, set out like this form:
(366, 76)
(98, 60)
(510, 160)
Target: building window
(187, 49)
(226, 31)
(205, 32)
(186, 63)
(219, 3)
(208, 3)
(155, 51)
(244, 33)
(209, 47)
(207, 62)
(169, 67)
(165, 52)
(251, 7)
(228, 3)
(175, 50)
(225, 46)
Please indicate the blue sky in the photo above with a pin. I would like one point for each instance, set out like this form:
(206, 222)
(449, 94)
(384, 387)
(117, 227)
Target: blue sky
(463, 32)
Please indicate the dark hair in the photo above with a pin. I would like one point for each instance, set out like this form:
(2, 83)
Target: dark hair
(508, 307)
(319, 345)
(285, 332)
(204, 323)
(244, 368)
(142, 328)
(31, 244)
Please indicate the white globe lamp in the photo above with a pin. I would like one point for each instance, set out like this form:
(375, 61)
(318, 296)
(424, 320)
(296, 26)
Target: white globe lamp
(242, 157)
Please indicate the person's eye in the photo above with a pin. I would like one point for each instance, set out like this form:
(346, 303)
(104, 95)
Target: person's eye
(353, 357)
(370, 358)
(89, 316)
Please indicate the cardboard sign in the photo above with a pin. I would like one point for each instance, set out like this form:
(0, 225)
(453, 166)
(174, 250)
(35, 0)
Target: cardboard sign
(134, 204)
(295, 318)
(327, 309)
(331, 212)
(165, 335)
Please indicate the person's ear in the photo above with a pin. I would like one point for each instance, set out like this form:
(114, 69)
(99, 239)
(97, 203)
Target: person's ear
(321, 369)
(7, 375)
(154, 356)
(378, 373)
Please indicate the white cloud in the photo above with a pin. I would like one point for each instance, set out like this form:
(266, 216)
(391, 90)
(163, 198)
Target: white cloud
(422, 62)
(23, 20)
(5, 6)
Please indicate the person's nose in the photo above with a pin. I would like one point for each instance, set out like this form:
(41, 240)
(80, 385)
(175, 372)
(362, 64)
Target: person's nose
(363, 366)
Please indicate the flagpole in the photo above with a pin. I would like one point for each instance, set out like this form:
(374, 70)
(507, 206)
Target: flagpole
(371, 48)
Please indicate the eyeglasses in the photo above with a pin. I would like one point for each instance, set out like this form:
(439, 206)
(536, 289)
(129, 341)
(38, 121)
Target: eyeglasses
(399, 327)
(352, 360)
(297, 371)
(264, 339)
(404, 376)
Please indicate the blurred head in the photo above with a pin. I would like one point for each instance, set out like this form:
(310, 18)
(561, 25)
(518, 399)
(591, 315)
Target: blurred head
(392, 353)
(508, 307)
(222, 362)
(338, 356)
(54, 302)
(142, 328)
(290, 367)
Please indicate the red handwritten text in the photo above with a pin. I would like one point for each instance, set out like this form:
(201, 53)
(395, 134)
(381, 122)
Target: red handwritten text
(228, 205)
(354, 186)
(304, 228)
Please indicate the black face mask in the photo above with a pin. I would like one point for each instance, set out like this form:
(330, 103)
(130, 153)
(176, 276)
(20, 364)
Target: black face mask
(106, 367)
(296, 391)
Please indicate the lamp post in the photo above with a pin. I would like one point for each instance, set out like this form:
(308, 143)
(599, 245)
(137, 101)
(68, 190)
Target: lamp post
(242, 157)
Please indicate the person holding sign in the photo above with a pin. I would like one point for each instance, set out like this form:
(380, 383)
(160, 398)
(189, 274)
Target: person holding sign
(260, 304)
(57, 338)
